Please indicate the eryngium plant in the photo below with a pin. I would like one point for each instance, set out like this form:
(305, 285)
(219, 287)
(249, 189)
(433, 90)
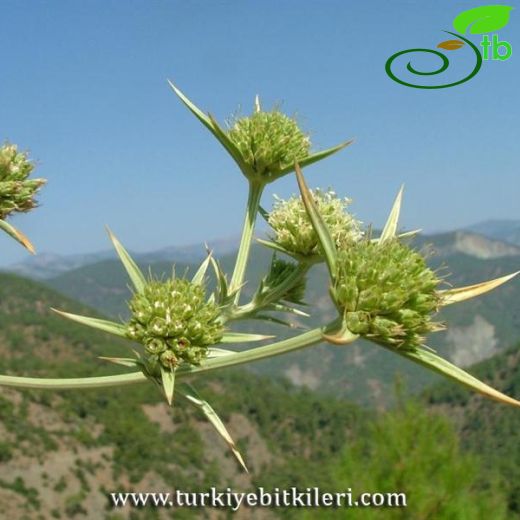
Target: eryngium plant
(293, 230)
(386, 292)
(382, 289)
(17, 191)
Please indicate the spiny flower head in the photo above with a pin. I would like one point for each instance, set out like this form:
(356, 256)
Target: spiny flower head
(174, 322)
(269, 142)
(386, 292)
(16, 191)
(293, 230)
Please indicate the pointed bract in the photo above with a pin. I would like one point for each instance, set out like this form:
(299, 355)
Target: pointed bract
(209, 122)
(135, 274)
(106, 326)
(168, 383)
(17, 235)
(461, 294)
(326, 242)
(342, 337)
(309, 259)
(318, 156)
(192, 396)
(390, 229)
(198, 277)
(430, 360)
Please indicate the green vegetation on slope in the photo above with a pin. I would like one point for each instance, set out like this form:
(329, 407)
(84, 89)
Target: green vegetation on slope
(61, 452)
(487, 428)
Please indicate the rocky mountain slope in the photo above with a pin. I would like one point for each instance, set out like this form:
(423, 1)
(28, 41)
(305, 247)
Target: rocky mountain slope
(62, 452)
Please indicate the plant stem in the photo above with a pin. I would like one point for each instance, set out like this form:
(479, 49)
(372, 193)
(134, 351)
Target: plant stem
(275, 349)
(253, 202)
(71, 383)
(255, 354)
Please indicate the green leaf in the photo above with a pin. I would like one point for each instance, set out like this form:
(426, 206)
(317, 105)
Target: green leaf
(17, 235)
(390, 229)
(198, 278)
(433, 362)
(483, 19)
(192, 396)
(133, 271)
(326, 242)
(315, 157)
(111, 327)
(242, 337)
(168, 383)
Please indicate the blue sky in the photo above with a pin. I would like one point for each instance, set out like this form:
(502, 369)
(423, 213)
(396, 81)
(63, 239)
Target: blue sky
(83, 87)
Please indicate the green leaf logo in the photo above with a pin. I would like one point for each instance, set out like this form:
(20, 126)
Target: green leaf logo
(484, 19)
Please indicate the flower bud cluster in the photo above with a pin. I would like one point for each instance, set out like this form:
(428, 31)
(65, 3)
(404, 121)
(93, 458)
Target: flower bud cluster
(279, 272)
(269, 142)
(293, 230)
(386, 292)
(174, 322)
(16, 191)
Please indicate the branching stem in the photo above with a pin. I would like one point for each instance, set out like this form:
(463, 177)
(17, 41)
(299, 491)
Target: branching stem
(306, 339)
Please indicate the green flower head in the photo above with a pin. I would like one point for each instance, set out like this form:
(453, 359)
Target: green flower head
(174, 322)
(269, 143)
(386, 292)
(265, 145)
(294, 232)
(16, 190)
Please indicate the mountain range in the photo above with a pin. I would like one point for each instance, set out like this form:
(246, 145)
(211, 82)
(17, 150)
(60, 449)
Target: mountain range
(498, 238)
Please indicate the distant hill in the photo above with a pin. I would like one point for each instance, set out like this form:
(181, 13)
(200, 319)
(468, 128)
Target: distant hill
(505, 230)
(47, 265)
(61, 453)
(477, 329)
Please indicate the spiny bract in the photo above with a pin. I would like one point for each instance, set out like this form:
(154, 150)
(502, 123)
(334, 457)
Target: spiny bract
(386, 292)
(16, 191)
(294, 232)
(174, 322)
(269, 142)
